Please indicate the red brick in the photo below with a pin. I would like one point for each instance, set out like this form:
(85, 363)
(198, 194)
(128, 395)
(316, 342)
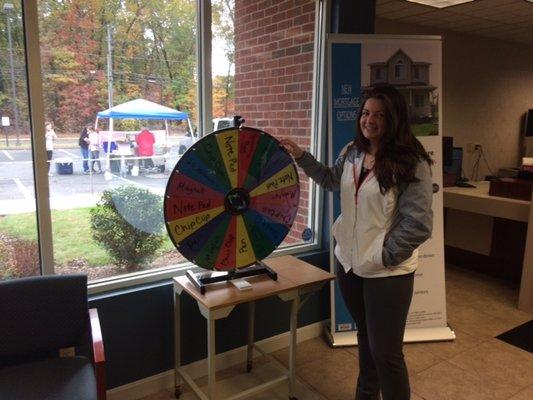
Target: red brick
(285, 43)
(309, 7)
(283, 97)
(290, 123)
(302, 19)
(291, 51)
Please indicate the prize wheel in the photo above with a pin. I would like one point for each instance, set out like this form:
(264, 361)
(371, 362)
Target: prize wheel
(231, 198)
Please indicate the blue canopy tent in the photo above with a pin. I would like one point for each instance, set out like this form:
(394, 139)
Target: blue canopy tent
(141, 109)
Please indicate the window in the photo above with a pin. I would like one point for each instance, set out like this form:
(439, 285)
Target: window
(97, 55)
(398, 69)
(416, 72)
(19, 250)
(378, 74)
(419, 100)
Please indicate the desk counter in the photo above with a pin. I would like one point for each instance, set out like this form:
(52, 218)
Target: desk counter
(478, 200)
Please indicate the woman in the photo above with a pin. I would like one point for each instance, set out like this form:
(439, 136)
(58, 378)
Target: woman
(94, 148)
(386, 193)
(50, 136)
(83, 142)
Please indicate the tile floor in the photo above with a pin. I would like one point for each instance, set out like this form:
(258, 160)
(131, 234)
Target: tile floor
(475, 366)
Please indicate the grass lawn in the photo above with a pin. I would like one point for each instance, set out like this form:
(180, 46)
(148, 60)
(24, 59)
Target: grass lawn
(72, 235)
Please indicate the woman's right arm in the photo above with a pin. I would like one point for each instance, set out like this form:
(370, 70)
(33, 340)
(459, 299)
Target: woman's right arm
(327, 177)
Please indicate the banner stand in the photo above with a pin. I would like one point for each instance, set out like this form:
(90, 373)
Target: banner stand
(413, 64)
(340, 339)
(349, 338)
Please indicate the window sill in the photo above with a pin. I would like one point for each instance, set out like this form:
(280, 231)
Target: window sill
(159, 274)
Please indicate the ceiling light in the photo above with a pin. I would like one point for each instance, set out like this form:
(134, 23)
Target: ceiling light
(441, 3)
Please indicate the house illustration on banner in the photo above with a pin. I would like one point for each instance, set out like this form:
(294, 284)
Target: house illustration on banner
(411, 78)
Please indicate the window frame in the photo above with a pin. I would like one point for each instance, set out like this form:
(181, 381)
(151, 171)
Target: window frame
(36, 111)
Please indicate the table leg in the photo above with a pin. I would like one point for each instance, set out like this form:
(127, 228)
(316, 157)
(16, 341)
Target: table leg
(251, 334)
(292, 346)
(177, 345)
(211, 354)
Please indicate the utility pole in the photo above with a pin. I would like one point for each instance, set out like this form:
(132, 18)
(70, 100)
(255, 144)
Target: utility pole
(8, 8)
(110, 65)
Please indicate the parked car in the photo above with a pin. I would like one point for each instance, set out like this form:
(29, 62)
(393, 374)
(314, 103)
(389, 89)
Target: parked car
(188, 139)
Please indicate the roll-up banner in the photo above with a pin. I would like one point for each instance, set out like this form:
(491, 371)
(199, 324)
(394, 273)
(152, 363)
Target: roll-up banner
(413, 64)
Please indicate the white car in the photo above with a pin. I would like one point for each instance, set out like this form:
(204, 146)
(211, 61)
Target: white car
(188, 140)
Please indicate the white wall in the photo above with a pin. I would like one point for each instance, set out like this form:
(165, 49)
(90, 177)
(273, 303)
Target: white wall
(488, 86)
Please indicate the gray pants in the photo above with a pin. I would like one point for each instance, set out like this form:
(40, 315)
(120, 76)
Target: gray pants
(379, 307)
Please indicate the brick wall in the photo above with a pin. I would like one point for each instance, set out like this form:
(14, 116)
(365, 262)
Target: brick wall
(274, 74)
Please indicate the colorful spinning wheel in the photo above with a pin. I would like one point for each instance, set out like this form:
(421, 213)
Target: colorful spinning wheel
(231, 199)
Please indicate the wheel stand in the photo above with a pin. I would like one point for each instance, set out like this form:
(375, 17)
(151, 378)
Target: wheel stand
(204, 278)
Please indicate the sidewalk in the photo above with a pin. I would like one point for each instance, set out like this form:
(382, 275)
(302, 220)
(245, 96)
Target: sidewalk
(18, 206)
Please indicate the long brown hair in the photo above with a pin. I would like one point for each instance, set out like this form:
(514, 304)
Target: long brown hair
(399, 150)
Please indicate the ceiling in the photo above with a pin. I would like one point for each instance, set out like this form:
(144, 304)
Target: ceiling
(510, 20)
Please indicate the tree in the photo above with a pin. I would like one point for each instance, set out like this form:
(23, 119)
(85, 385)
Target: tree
(223, 96)
(224, 31)
(73, 84)
(153, 55)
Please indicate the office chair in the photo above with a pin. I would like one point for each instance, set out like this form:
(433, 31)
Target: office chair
(44, 324)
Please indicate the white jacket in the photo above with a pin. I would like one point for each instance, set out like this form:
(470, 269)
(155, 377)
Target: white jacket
(376, 234)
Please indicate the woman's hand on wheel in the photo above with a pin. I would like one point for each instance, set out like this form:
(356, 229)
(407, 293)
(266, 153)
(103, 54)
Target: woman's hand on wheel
(293, 149)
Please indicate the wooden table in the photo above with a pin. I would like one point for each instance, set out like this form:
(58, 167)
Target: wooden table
(295, 278)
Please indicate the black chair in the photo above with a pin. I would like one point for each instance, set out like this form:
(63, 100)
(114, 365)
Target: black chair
(44, 325)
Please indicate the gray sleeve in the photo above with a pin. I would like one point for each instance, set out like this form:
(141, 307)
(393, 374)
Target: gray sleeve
(414, 222)
(327, 177)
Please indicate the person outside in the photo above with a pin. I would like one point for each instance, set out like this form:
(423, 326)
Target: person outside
(145, 146)
(386, 195)
(50, 136)
(84, 147)
(94, 148)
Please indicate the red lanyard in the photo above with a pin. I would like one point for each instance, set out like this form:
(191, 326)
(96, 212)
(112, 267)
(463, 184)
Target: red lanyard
(359, 179)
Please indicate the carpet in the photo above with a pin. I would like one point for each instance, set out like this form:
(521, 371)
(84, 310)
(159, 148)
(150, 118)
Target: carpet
(521, 336)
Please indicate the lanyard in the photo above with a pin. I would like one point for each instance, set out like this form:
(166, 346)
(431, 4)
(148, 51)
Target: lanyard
(358, 181)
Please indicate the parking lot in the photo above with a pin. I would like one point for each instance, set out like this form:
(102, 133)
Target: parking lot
(68, 190)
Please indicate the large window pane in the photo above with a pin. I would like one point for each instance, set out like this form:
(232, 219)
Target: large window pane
(19, 254)
(96, 55)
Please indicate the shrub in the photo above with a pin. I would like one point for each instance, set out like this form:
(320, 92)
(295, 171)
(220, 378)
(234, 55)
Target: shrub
(128, 223)
(18, 258)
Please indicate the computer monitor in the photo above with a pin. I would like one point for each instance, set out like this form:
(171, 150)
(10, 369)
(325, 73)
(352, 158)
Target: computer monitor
(447, 150)
(453, 172)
